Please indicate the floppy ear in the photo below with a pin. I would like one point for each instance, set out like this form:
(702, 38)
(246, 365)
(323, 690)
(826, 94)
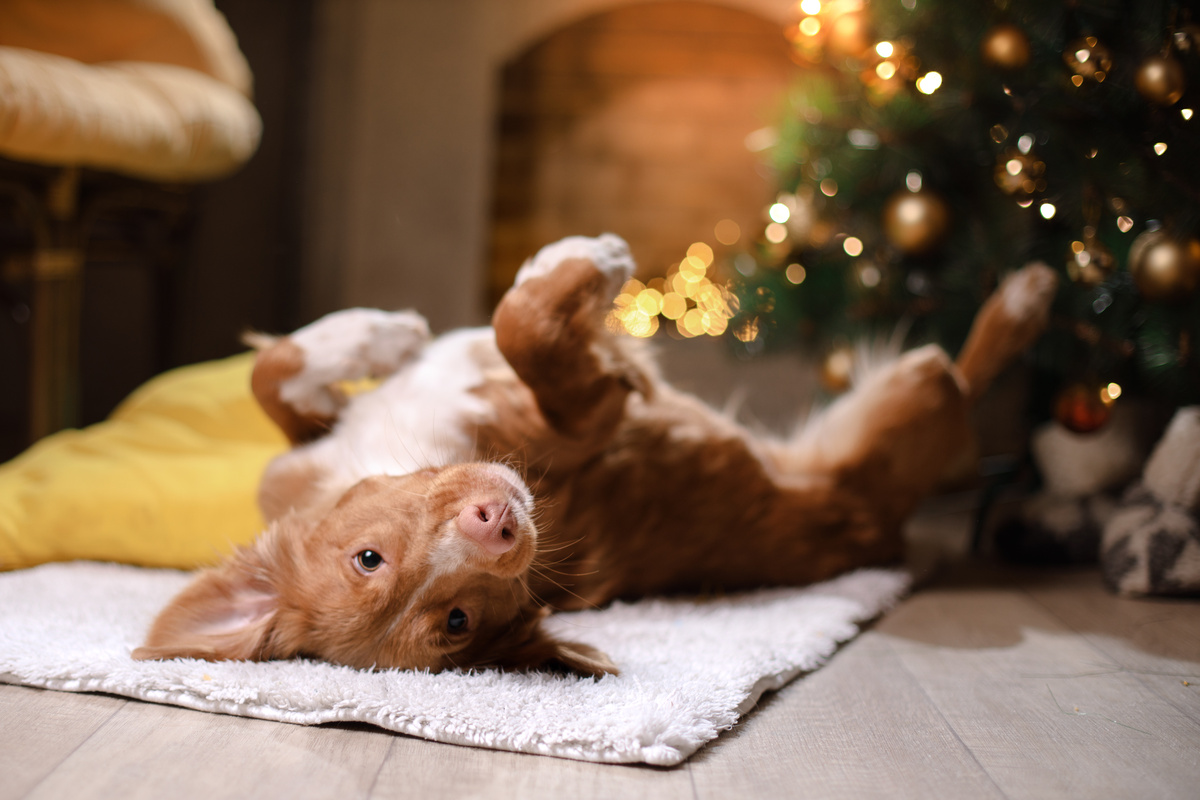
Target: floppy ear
(225, 614)
(542, 651)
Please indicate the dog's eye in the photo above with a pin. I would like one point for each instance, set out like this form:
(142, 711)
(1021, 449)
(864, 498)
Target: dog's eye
(457, 621)
(369, 560)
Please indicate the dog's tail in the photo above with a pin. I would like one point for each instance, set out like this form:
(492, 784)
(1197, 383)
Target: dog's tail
(1009, 321)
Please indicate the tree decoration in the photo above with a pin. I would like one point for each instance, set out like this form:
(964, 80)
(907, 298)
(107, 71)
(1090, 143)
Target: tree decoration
(1019, 174)
(1160, 79)
(1005, 46)
(1090, 262)
(1084, 407)
(1088, 59)
(1165, 268)
(915, 222)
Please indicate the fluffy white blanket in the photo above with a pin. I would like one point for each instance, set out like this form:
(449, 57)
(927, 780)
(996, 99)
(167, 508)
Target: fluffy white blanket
(689, 668)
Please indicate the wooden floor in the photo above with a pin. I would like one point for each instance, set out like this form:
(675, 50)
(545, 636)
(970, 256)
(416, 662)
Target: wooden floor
(988, 682)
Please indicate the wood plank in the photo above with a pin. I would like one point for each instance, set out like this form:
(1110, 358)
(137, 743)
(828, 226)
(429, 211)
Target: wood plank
(1157, 640)
(859, 727)
(155, 751)
(39, 729)
(417, 768)
(988, 658)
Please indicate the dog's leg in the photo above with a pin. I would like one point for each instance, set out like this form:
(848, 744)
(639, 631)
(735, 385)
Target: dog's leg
(550, 327)
(296, 377)
(897, 432)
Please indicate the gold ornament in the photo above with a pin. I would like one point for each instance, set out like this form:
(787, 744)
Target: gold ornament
(837, 369)
(850, 35)
(1005, 46)
(1164, 268)
(1083, 407)
(1088, 59)
(1019, 174)
(1090, 262)
(915, 222)
(1160, 80)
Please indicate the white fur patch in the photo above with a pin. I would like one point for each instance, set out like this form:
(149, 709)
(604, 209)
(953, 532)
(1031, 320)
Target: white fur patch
(423, 416)
(348, 345)
(608, 252)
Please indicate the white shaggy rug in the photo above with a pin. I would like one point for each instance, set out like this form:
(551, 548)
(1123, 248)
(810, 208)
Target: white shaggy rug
(689, 669)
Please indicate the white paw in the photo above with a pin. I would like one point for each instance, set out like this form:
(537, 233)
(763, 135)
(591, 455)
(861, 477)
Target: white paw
(608, 252)
(1029, 291)
(349, 345)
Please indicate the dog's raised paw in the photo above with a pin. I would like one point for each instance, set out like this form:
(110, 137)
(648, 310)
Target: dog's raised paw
(349, 345)
(608, 252)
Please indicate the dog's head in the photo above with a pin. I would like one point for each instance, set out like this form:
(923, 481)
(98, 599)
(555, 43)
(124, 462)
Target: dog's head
(422, 571)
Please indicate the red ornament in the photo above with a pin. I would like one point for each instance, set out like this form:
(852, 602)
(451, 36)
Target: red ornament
(1082, 408)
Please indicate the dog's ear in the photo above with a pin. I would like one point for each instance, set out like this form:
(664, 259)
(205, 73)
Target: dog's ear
(225, 614)
(543, 651)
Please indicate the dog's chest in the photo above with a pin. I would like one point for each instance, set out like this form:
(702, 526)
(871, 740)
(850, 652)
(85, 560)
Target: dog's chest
(429, 414)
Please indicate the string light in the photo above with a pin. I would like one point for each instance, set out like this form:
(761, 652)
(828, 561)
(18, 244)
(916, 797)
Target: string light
(1047, 210)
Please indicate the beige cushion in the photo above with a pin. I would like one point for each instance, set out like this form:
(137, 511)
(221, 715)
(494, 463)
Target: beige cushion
(151, 120)
(186, 33)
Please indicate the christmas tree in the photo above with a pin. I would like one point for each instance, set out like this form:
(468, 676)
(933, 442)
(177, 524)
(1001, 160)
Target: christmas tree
(931, 146)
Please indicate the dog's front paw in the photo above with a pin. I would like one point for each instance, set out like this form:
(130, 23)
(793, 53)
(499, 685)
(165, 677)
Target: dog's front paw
(608, 252)
(350, 345)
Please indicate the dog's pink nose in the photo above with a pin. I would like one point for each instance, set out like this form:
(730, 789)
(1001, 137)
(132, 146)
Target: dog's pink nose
(490, 525)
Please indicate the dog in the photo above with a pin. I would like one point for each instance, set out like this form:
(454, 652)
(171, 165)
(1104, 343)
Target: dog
(543, 463)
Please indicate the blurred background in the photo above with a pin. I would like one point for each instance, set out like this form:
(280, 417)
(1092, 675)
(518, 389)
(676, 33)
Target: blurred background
(792, 177)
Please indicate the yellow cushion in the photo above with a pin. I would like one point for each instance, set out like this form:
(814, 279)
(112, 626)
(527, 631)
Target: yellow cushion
(168, 481)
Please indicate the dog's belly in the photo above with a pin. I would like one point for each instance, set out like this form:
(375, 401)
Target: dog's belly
(426, 415)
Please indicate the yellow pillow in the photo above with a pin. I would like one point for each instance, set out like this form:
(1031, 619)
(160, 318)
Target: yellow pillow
(169, 480)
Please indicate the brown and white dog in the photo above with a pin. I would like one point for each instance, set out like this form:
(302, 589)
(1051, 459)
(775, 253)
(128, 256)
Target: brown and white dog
(542, 463)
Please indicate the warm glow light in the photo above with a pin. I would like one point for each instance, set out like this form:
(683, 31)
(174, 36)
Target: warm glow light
(632, 287)
(1077, 247)
(1014, 166)
(795, 274)
(776, 232)
(692, 269)
(1025, 143)
(885, 70)
(1047, 210)
(1110, 393)
(913, 181)
(1160, 148)
(701, 251)
(929, 83)
(1025, 202)
(884, 49)
(810, 6)
(747, 331)
(779, 212)
(1186, 113)
(649, 302)
(1077, 80)
(870, 276)
(1124, 223)
(727, 232)
(674, 305)
(853, 246)
(810, 26)
(829, 187)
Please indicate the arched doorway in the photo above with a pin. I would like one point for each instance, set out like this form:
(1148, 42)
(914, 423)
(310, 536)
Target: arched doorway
(635, 121)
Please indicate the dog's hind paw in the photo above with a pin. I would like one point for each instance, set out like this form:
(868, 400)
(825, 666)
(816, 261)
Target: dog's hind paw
(351, 345)
(608, 252)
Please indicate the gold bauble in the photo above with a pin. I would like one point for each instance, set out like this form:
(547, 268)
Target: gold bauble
(1005, 46)
(850, 35)
(915, 222)
(1019, 174)
(1090, 262)
(1160, 80)
(1088, 58)
(837, 369)
(1163, 267)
